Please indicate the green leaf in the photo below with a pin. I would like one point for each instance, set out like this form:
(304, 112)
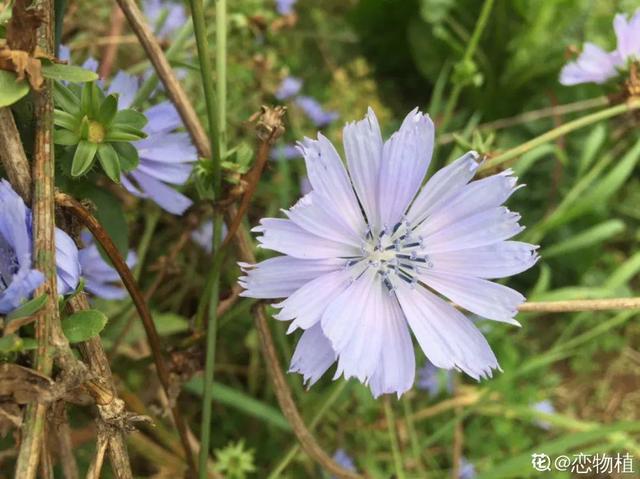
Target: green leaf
(592, 146)
(590, 237)
(85, 98)
(65, 98)
(241, 401)
(11, 90)
(84, 325)
(130, 117)
(124, 133)
(72, 73)
(109, 161)
(83, 157)
(29, 308)
(108, 212)
(10, 343)
(128, 155)
(108, 110)
(65, 120)
(514, 466)
(65, 137)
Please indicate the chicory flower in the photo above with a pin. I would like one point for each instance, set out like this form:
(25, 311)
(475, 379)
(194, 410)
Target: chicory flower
(17, 276)
(366, 251)
(594, 65)
(314, 111)
(289, 87)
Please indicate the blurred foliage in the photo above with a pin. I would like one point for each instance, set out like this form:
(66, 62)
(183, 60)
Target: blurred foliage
(580, 204)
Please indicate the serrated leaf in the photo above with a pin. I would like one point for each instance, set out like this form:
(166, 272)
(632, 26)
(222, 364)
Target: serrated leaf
(84, 325)
(83, 157)
(128, 155)
(71, 73)
(11, 90)
(65, 137)
(108, 109)
(124, 133)
(65, 99)
(129, 117)
(29, 308)
(109, 161)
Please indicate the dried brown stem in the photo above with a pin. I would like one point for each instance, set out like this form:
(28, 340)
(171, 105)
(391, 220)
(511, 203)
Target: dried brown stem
(287, 404)
(108, 403)
(59, 423)
(576, 305)
(105, 241)
(283, 393)
(174, 90)
(13, 157)
(111, 50)
(534, 115)
(44, 254)
(98, 460)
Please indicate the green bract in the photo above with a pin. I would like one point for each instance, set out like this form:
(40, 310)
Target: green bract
(90, 121)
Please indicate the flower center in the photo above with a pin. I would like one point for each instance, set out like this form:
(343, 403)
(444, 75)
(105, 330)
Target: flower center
(96, 132)
(396, 253)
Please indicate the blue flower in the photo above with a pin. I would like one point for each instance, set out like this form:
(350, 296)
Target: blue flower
(285, 152)
(101, 279)
(467, 470)
(289, 87)
(18, 279)
(166, 156)
(175, 17)
(318, 115)
(203, 236)
(343, 459)
(594, 65)
(369, 251)
(429, 379)
(285, 7)
(545, 407)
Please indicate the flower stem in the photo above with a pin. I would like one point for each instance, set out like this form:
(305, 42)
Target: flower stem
(293, 450)
(562, 130)
(216, 114)
(393, 438)
(468, 55)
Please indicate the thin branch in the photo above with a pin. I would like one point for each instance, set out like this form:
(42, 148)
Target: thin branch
(576, 305)
(93, 353)
(111, 49)
(95, 468)
(270, 128)
(174, 90)
(509, 155)
(287, 404)
(12, 155)
(533, 115)
(105, 241)
(59, 423)
(44, 253)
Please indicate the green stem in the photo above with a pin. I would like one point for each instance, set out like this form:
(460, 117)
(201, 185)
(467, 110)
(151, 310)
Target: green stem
(293, 450)
(562, 130)
(393, 438)
(217, 137)
(468, 55)
(413, 435)
(150, 223)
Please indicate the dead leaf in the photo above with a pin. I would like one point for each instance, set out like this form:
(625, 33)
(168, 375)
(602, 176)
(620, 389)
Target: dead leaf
(23, 385)
(24, 65)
